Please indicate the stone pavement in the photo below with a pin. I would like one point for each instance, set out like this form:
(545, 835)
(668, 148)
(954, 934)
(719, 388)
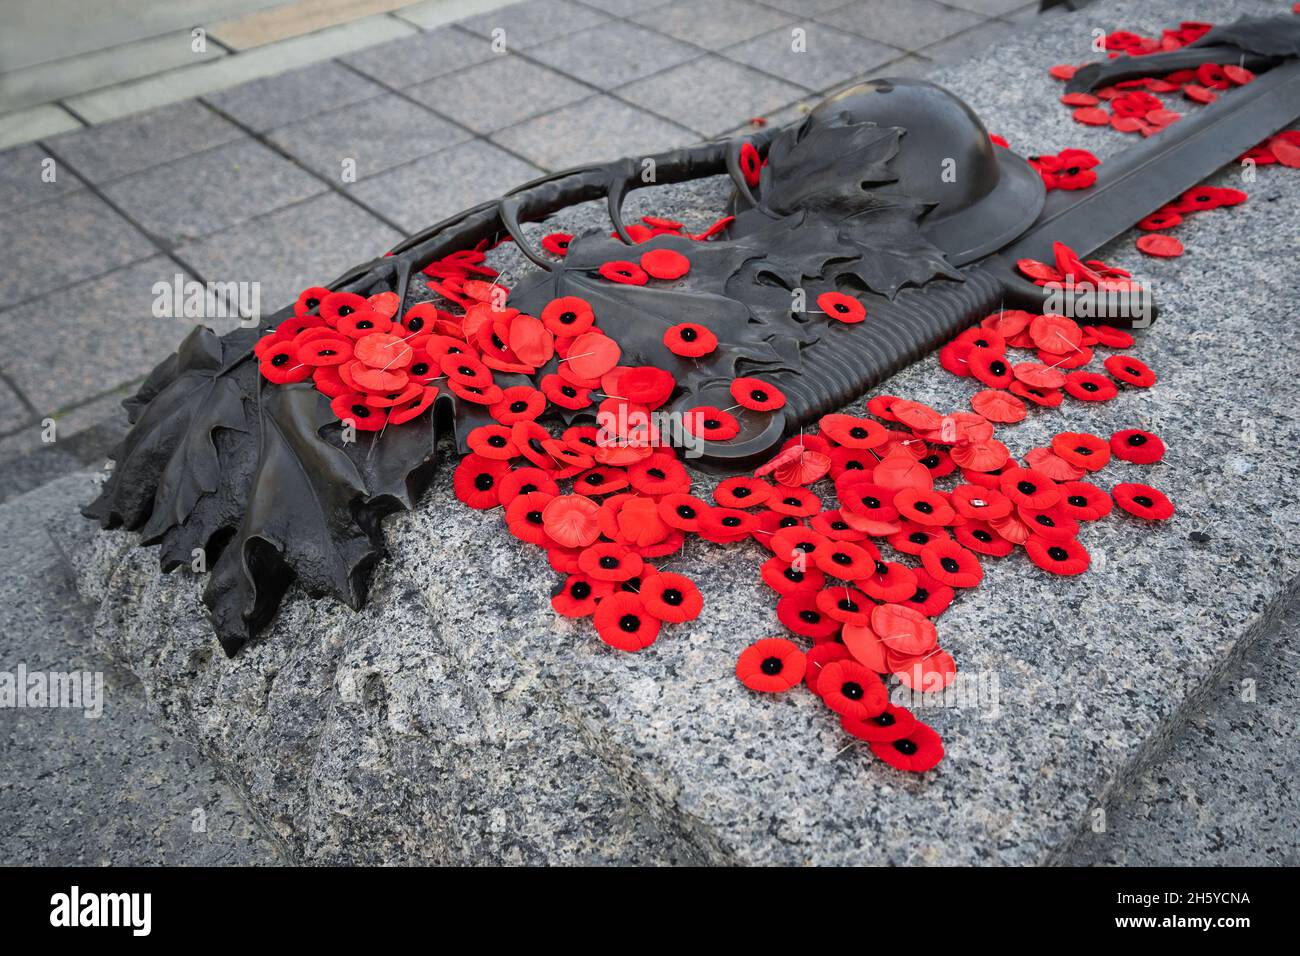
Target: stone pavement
(459, 737)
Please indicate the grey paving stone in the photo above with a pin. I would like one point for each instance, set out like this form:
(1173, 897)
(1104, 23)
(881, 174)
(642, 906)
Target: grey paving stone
(21, 182)
(711, 95)
(534, 22)
(23, 126)
(806, 8)
(435, 13)
(990, 8)
(826, 56)
(202, 194)
(78, 342)
(906, 24)
(625, 8)
(420, 194)
(592, 130)
(276, 100)
(613, 53)
(712, 24)
(972, 42)
(501, 92)
(305, 244)
(113, 150)
(421, 57)
(912, 65)
(377, 135)
(78, 235)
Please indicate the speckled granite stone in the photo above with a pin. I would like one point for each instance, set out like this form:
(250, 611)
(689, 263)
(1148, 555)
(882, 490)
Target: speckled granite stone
(456, 718)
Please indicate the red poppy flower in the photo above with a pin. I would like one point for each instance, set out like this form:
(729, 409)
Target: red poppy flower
(492, 441)
(998, 406)
(889, 581)
(568, 316)
(1090, 387)
(794, 501)
(742, 492)
(590, 356)
(476, 481)
(831, 525)
(756, 395)
(1130, 371)
(1059, 557)
(951, 564)
(1081, 450)
(784, 578)
(980, 537)
(727, 525)
(334, 306)
(770, 665)
(1159, 245)
(682, 511)
(363, 322)
(843, 307)
(919, 751)
(489, 395)
(524, 517)
(852, 690)
(929, 508)
(1143, 501)
(882, 407)
(518, 403)
(818, 657)
(280, 364)
(990, 367)
(1084, 502)
(623, 272)
(911, 537)
(711, 424)
(845, 604)
(623, 622)
(1052, 524)
(609, 561)
(894, 723)
(325, 350)
(672, 597)
(690, 340)
(799, 612)
(980, 503)
(853, 432)
(565, 394)
(309, 300)
(557, 243)
(1028, 488)
(1135, 445)
(751, 166)
(579, 595)
(572, 521)
(845, 560)
(1047, 397)
(931, 597)
(523, 481)
(600, 481)
(665, 264)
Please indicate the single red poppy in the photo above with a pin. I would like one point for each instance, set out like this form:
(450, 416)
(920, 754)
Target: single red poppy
(488, 395)
(1159, 245)
(363, 322)
(557, 243)
(852, 690)
(727, 525)
(659, 474)
(672, 597)
(990, 367)
(889, 581)
(623, 622)
(798, 611)
(931, 597)
(853, 432)
(924, 507)
(579, 595)
(476, 481)
(998, 406)
(843, 307)
(599, 481)
(1130, 371)
(980, 503)
(690, 340)
(785, 578)
(980, 537)
(492, 441)
(751, 166)
(1090, 387)
(1059, 557)
(818, 657)
(309, 300)
(1160, 219)
(845, 560)
(920, 750)
(894, 723)
(742, 492)
(568, 316)
(831, 525)
(845, 604)
(951, 564)
(911, 537)
(523, 481)
(770, 665)
(882, 407)
(564, 394)
(609, 561)
(1049, 463)
(1052, 524)
(1138, 446)
(1084, 502)
(524, 517)
(756, 395)
(1082, 450)
(280, 364)
(334, 306)
(682, 511)
(1143, 501)
(711, 424)
(623, 272)
(518, 403)
(1047, 397)
(665, 264)
(794, 501)
(1028, 488)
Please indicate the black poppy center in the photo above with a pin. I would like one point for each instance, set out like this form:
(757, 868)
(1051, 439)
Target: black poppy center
(345, 310)
(918, 537)
(842, 559)
(483, 482)
(281, 359)
(906, 747)
(848, 604)
(924, 507)
(629, 623)
(686, 512)
(1137, 439)
(568, 318)
(771, 666)
(1144, 501)
(810, 617)
(360, 411)
(730, 521)
(534, 517)
(595, 478)
(1057, 554)
(921, 596)
(672, 596)
(580, 590)
(792, 575)
(1089, 386)
(419, 369)
(712, 423)
(884, 720)
(1079, 501)
(871, 502)
(839, 526)
(982, 536)
(568, 391)
(998, 368)
(469, 373)
(857, 431)
(742, 492)
(882, 568)
(1045, 520)
(758, 395)
(518, 407)
(497, 441)
(609, 562)
(950, 565)
(689, 335)
(365, 324)
(852, 690)
(312, 303)
(656, 474)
